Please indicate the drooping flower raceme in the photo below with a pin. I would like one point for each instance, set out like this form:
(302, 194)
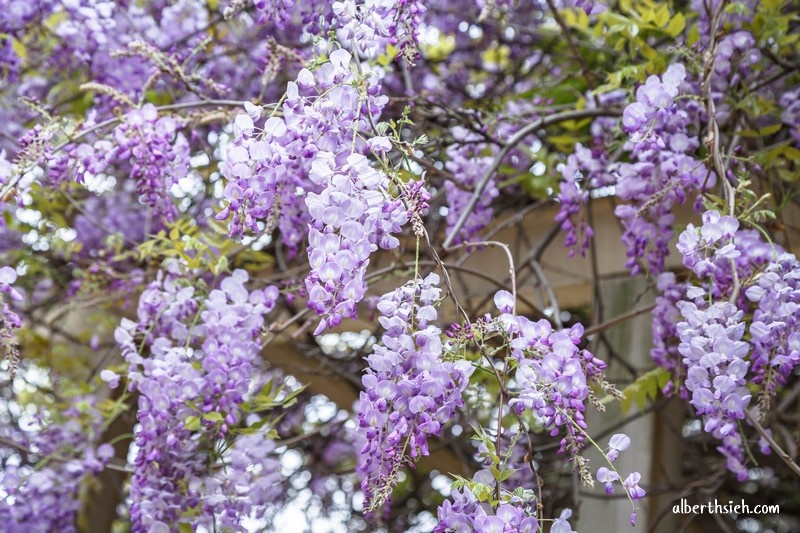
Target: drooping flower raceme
(790, 104)
(732, 268)
(305, 169)
(736, 54)
(467, 166)
(585, 169)
(719, 254)
(410, 390)
(714, 357)
(705, 248)
(9, 319)
(665, 319)
(47, 498)
(350, 218)
(371, 25)
(466, 513)
(203, 363)
(148, 147)
(775, 329)
(552, 375)
(112, 215)
(662, 171)
(268, 163)
(285, 12)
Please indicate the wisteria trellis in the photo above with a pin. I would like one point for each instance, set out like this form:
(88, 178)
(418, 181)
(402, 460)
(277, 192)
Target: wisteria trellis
(160, 158)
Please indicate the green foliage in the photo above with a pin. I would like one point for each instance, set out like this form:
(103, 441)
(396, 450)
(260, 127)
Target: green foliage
(192, 423)
(646, 386)
(207, 250)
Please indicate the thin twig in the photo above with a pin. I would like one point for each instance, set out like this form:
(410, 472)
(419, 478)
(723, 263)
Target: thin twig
(116, 120)
(508, 146)
(619, 318)
(511, 270)
(780, 452)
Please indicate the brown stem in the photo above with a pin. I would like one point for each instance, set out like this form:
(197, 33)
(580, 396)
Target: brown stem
(780, 452)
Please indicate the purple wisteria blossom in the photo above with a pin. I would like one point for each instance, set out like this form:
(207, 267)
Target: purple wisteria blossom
(410, 390)
(468, 165)
(584, 170)
(736, 55)
(618, 443)
(284, 12)
(662, 172)
(607, 476)
(350, 218)
(112, 215)
(465, 514)
(631, 484)
(372, 25)
(790, 104)
(10, 321)
(705, 247)
(47, 497)
(150, 148)
(268, 163)
(775, 329)
(202, 365)
(665, 319)
(552, 375)
(561, 524)
(714, 356)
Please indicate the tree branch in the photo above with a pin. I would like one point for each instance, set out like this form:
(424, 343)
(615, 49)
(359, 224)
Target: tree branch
(509, 145)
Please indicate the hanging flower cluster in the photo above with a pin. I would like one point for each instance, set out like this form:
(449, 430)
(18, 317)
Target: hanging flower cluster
(371, 25)
(553, 374)
(47, 497)
(411, 391)
(714, 354)
(663, 171)
(148, 149)
(468, 165)
(9, 319)
(267, 167)
(717, 360)
(585, 170)
(350, 218)
(775, 329)
(464, 512)
(202, 364)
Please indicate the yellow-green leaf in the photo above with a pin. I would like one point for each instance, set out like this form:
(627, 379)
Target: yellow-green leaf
(662, 15)
(769, 130)
(213, 416)
(676, 25)
(192, 423)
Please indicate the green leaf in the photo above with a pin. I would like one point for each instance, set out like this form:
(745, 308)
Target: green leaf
(192, 423)
(625, 403)
(662, 15)
(221, 265)
(769, 130)
(184, 528)
(676, 25)
(507, 473)
(645, 387)
(663, 378)
(213, 416)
